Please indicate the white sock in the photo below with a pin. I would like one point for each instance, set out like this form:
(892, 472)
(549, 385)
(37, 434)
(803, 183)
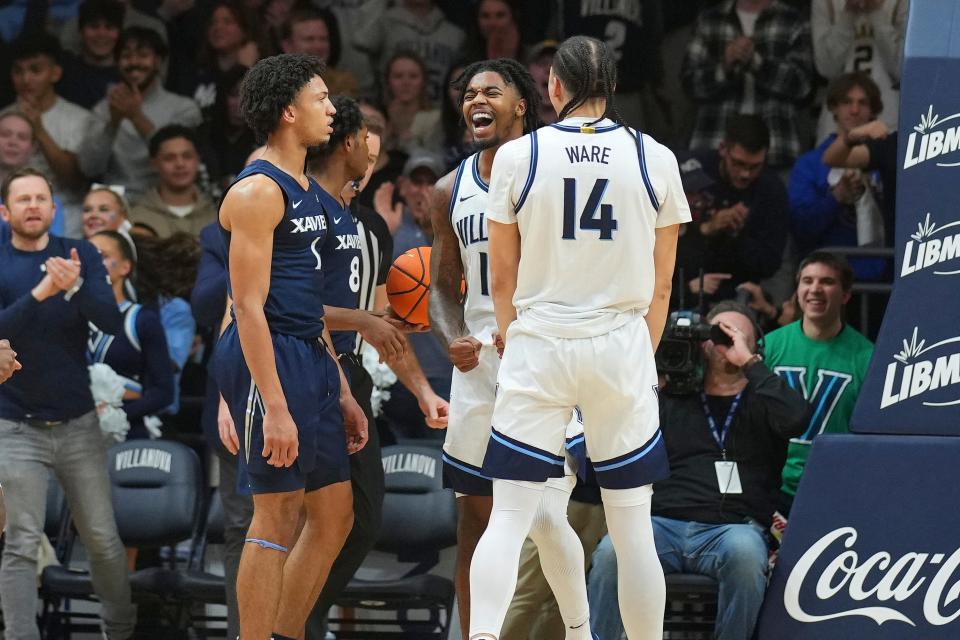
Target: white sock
(640, 584)
(561, 557)
(496, 560)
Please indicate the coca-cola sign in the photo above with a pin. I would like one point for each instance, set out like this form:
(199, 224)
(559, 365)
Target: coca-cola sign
(870, 550)
(880, 580)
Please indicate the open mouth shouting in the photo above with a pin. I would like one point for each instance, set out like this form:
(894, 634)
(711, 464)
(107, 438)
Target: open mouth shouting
(482, 121)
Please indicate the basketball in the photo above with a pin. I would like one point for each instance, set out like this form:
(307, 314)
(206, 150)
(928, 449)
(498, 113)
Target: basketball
(408, 285)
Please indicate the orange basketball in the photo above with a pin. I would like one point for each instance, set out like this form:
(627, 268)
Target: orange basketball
(408, 285)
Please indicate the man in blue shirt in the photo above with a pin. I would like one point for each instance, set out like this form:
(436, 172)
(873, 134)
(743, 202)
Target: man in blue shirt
(51, 288)
(823, 200)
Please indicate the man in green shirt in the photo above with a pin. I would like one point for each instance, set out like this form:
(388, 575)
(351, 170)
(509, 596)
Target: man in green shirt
(819, 355)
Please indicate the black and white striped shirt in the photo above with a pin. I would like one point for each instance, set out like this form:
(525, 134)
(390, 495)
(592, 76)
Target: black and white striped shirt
(376, 247)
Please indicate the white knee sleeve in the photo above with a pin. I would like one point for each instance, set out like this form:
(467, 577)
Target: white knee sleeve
(640, 584)
(561, 557)
(493, 570)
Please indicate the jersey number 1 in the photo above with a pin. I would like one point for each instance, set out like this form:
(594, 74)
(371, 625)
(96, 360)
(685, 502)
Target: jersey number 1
(589, 220)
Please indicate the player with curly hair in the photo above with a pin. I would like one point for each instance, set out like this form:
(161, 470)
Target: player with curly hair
(295, 418)
(499, 102)
(583, 218)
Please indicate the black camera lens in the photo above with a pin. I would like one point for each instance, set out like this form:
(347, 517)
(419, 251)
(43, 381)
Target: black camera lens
(719, 336)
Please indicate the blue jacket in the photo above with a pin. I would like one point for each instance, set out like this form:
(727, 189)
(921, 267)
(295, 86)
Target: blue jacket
(819, 220)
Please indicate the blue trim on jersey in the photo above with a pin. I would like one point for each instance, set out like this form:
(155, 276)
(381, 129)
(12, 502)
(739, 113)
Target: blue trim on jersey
(476, 174)
(465, 478)
(640, 467)
(525, 449)
(531, 174)
(456, 189)
(577, 454)
(103, 344)
(130, 326)
(576, 129)
(643, 172)
(508, 459)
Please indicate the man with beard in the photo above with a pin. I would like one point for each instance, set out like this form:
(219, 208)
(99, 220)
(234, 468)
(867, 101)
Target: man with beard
(115, 148)
(58, 125)
(820, 356)
(500, 103)
(742, 234)
(50, 290)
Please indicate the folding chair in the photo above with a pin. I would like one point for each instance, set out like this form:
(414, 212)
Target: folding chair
(157, 492)
(419, 519)
(691, 610)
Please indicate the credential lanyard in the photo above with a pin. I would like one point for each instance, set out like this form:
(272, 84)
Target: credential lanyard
(721, 436)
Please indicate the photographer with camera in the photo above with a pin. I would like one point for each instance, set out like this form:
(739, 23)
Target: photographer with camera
(727, 444)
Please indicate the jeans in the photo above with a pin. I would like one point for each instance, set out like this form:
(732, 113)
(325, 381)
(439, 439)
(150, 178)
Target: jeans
(74, 450)
(733, 554)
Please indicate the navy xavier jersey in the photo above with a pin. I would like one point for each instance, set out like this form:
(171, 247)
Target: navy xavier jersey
(294, 304)
(341, 266)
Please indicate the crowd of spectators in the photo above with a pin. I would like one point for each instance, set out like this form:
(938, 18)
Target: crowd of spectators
(121, 125)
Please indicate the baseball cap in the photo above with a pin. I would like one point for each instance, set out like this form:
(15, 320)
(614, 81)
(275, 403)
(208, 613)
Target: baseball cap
(692, 175)
(423, 159)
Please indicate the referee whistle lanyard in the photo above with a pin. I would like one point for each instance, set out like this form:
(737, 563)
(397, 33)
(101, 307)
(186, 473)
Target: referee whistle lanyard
(721, 436)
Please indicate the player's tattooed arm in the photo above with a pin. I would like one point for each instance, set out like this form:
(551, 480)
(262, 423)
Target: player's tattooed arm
(664, 259)
(446, 276)
(251, 210)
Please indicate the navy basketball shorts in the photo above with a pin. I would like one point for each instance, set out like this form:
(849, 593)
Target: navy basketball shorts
(311, 386)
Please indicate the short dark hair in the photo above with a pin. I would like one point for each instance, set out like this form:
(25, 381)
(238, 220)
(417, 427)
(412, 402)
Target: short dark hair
(170, 132)
(841, 86)
(747, 130)
(309, 13)
(346, 122)
(40, 44)
(141, 37)
(836, 262)
(22, 172)
(271, 86)
(738, 307)
(515, 75)
(109, 11)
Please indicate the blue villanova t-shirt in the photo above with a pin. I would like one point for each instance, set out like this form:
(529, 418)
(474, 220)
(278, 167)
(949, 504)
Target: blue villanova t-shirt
(294, 304)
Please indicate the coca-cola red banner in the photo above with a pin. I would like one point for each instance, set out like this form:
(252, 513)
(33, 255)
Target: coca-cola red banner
(871, 549)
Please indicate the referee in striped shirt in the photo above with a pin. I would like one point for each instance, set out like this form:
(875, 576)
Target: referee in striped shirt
(356, 259)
